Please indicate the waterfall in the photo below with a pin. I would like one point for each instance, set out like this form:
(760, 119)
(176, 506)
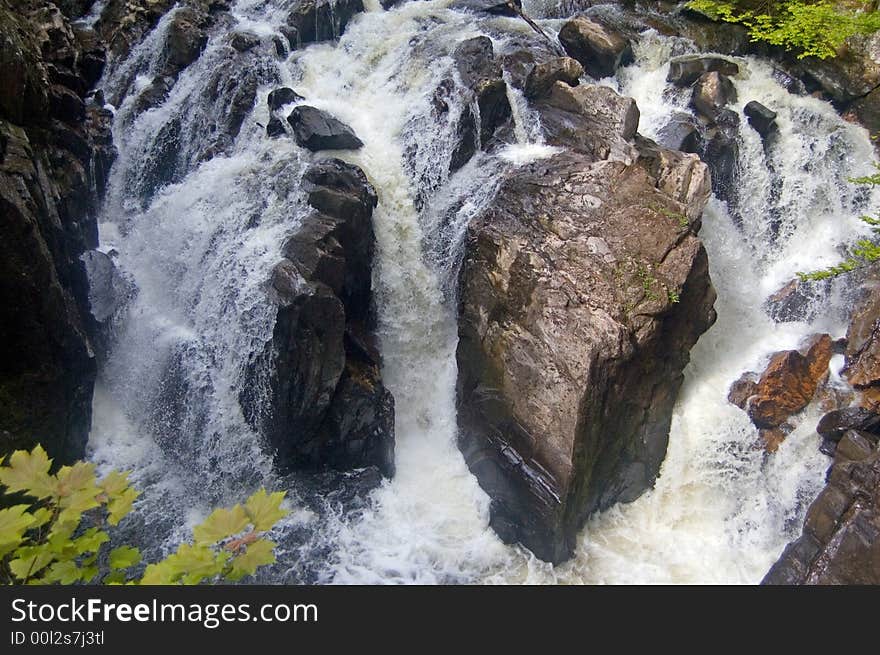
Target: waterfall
(196, 223)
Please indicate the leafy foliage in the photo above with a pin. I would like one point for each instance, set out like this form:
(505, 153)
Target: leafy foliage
(54, 527)
(811, 27)
(865, 250)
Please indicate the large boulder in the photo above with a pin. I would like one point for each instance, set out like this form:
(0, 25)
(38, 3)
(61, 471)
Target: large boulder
(789, 382)
(582, 290)
(328, 407)
(712, 92)
(317, 130)
(320, 20)
(687, 69)
(599, 49)
(55, 153)
(762, 118)
(839, 543)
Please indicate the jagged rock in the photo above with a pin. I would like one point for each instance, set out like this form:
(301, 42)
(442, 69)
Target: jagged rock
(712, 92)
(51, 174)
(492, 7)
(317, 130)
(687, 69)
(480, 72)
(789, 382)
(329, 408)
(761, 118)
(185, 40)
(154, 94)
(863, 341)
(244, 41)
(542, 76)
(283, 96)
(796, 301)
(721, 153)
(275, 127)
(321, 20)
(836, 423)
(590, 118)
(839, 543)
(600, 50)
(571, 344)
(681, 133)
(743, 389)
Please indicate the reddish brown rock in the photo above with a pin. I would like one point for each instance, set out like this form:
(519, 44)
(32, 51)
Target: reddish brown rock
(790, 382)
(743, 389)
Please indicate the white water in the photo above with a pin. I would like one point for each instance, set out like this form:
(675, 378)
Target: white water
(201, 249)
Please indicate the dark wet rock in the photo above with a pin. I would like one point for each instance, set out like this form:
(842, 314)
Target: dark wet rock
(743, 389)
(54, 156)
(275, 127)
(599, 49)
(571, 344)
(328, 406)
(244, 41)
(491, 7)
(761, 118)
(796, 301)
(283, 96)
(321, 20)
(185, 39)
(721, 153)
(544, 75)
(317, 130)
(712, 92)
(835, 424)
(682, 132)
(687, 69)
(839, 543)
(790, 382)
(480, 73)
(863, 340)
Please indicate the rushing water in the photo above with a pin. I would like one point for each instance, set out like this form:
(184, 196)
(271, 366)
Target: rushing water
(199, 251)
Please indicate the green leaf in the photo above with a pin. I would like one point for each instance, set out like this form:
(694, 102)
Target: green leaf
(258, 554)
(66, 572)
(264, 510)
(13, 523)
(160, 573)
(114, 483)
(220, 524)
(124, 557)
(29, 472)
(117, 577)
(30, 561)
(90, 541)
(121, 505)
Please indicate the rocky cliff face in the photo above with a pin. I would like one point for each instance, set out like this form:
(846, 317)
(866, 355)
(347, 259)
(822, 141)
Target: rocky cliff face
(327, 405)
(55, 151)
(582, 290)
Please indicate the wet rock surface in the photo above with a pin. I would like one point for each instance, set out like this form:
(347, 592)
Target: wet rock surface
(317, 130)
(328, 407)
(582, 290)
(599, 49)
(55, 153)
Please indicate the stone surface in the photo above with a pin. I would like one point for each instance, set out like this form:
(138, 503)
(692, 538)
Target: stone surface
(582, 289)
(839, 543)
(321, 20)
(542, 76)
(687, 69)
(55, 153)
(789, 382)
(328, 406)
(282, 96)
(838, 422)
(599, 49)
(480, 73)
(317, 130)
(761, 118)
(712, 92)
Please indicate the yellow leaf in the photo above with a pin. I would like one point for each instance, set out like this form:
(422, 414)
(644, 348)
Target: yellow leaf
(220, 524)
(258, 554)
(264, 510)
(115, 482)
(13, 523)
(121, 505)
(29, 472)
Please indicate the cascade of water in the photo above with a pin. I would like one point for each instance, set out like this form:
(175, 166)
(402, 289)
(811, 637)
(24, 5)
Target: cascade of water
(200, 250)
